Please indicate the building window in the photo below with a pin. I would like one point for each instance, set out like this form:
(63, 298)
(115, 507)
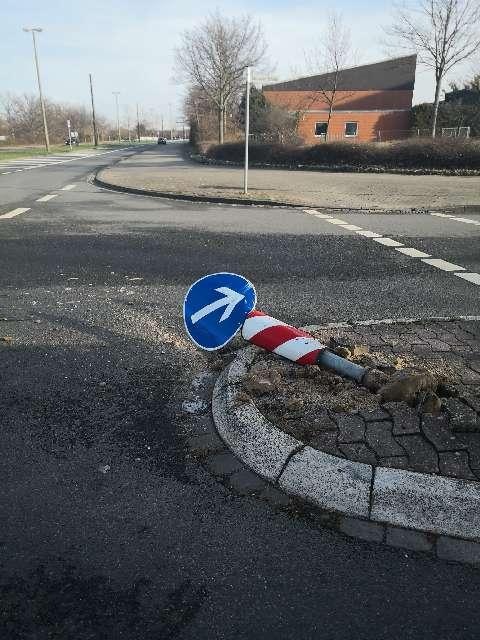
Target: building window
(351, 129)
(320, 128)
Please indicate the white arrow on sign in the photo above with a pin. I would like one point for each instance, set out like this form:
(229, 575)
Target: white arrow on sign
(230, 301)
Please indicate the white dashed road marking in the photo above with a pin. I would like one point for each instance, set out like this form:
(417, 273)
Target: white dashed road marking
(443, 264)
(336, 221)
(47, 198)
(14, 212)
(388, 242)
(438, 263)
(471, 277)
(413, 253)
(368, 234)
(68, 187)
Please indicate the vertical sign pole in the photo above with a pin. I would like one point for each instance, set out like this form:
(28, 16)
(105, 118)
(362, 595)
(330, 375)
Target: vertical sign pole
(247, 131)
(69, 134)
(94, 120)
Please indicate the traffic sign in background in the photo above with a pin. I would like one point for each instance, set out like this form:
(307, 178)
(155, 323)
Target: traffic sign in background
(215, 308)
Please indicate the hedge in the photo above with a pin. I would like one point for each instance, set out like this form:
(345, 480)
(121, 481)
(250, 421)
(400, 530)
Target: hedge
(423, 153)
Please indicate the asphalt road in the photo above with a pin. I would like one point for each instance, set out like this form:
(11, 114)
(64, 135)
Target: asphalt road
(108, 529)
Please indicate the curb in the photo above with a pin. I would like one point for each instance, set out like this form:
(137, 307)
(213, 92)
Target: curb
(402, 508)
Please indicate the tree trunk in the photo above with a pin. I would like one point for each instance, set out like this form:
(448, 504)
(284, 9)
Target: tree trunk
(438, 87)
(330, 110)
(221, 111)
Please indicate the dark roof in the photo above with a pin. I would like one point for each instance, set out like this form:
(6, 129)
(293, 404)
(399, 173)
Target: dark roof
(398, 73)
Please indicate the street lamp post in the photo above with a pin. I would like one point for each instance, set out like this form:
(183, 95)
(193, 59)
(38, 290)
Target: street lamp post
(116, 94)
(34, 30)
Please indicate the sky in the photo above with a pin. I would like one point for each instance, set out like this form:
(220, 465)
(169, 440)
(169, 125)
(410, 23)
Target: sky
(128, 46)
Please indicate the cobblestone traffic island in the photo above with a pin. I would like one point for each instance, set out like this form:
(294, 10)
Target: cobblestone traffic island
(433, 430)
(394, 460)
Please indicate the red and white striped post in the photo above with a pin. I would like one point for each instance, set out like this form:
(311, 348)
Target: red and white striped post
(294, 344)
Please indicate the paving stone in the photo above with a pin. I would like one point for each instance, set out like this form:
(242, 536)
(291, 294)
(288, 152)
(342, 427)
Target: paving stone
(326, 441)
(379, 437)
(475, 365)
(437, 430)
(363, 529)
(469, 376)
(377, 415)
(201, 424)
(408, 539)
(395, 462)
(275, 496)
(438, 345)
(245, 482)
(458, 550)
(358, 451)
(472, 401)
(471, 442)
(351, 427)
(462, 417)
(422, 456)
(405, 419)
(205, 444)
(224, 464)
(456, 465)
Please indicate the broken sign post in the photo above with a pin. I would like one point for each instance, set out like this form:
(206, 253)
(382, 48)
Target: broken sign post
(218, 305)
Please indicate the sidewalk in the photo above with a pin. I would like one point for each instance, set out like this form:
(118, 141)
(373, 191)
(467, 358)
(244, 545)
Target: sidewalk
(168, 171)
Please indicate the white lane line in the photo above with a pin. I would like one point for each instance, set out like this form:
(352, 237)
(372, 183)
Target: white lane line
(413, 253)
(68, 187)
(336, 221)
(5, 173)
(471, 277)
(322, 216)
(18, 170)
(352, 227)
(443, 264)
(388, 242)
(368, 234)
(47, 198)
(14, 212)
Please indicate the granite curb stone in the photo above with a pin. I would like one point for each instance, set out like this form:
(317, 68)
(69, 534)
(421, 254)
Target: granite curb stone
(402, 508)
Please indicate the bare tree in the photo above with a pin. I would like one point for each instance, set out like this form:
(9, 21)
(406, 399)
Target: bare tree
(329, 58)
(214, 56)
(443, 32)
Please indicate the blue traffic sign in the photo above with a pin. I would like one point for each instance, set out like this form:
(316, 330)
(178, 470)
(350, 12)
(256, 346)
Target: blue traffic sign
(215, 308)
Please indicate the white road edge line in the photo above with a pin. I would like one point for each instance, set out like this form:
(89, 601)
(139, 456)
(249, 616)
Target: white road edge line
(15, 212)
(47, 198)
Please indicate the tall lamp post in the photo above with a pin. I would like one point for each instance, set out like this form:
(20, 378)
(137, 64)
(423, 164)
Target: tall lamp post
(116, 94)
(34, 30)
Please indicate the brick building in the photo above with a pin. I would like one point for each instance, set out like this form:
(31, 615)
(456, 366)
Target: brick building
(370, 102)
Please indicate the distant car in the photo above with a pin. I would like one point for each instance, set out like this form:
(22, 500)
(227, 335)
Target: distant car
(162, 141)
